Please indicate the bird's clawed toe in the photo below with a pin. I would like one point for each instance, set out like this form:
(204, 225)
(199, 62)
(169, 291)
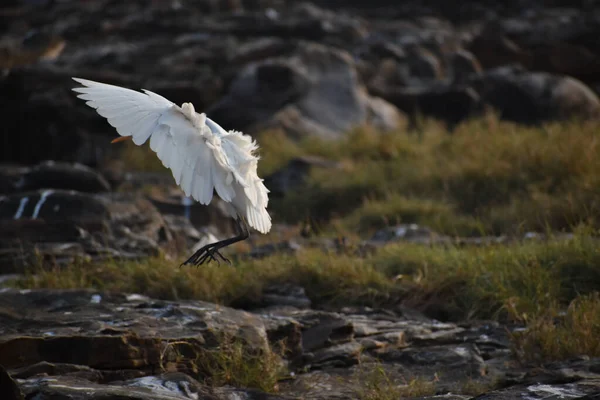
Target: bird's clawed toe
(210, 252)
(205, 255)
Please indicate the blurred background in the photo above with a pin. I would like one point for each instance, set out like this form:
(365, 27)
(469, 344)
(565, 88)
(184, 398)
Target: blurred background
(473, 119)
(434, 169)
(368, 115)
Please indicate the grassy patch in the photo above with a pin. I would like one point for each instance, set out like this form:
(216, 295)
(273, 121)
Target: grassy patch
(560, 336)
(376, 384)
(397, 209)
(475, 388)
(328, 278)
(488, 177)
(233, 364)
(491, 177)
(527, 282)
(515, 281)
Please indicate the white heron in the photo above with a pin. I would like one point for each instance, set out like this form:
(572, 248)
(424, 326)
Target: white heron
(201, 155)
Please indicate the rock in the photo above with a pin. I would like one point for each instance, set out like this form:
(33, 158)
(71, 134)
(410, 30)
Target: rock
(342, 355)
(168, 386)
(59, 175)
(306, 97)
(71, 342)
(535, 97)
(263, 88)
(423, 64)
(53, 205)
(389, 74)
(255, 64)
(464, 65)
(285, 295)
(119, 342)
(449, 103)
(186, 234)
(9, 390)
(35, 117)
(276, 297)
(61, 226)
(458, 359)
(151, 388)
(36, 46)
(579, 390)
(115, 331)
(494, 49)
(566, 59)
(260, 49)
(199, 215)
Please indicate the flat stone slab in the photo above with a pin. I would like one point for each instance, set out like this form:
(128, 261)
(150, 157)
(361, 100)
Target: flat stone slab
(113, 331)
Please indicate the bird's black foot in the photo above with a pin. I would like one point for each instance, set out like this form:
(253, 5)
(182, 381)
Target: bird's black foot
(210, 252)
(206, 254)
(209, 255)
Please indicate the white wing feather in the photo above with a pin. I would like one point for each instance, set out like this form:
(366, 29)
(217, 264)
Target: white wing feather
(201, 155)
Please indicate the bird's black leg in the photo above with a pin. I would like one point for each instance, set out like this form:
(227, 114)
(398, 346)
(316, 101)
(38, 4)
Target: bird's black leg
(209, 251)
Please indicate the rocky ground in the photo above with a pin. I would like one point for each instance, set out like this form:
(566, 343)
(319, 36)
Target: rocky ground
(81, 344)
(319, 68)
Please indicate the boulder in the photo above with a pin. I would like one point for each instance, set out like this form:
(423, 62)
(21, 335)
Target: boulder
(536, 97)
(9, 390)
(116, 331)
(61, 226)
(446, 102)
(37, 124)
(57, 175)
(314, 91)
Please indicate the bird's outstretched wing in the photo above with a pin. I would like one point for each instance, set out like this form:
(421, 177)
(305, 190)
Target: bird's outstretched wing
(176, 139)
(201, 155)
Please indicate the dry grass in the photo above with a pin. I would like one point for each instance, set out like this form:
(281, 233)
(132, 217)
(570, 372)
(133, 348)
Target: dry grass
(561, 335)
(490, 177)
(451, 283)
(376, 384)
(329, 278)
(233, 364)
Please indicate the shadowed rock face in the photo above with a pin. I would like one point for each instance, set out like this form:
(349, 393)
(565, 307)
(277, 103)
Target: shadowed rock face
(66, 225)
(112, 332)
(53, 175)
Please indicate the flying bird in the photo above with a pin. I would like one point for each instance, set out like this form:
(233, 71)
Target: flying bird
(202, 156)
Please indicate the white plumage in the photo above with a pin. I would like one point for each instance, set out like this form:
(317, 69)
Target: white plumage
(201, 155)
